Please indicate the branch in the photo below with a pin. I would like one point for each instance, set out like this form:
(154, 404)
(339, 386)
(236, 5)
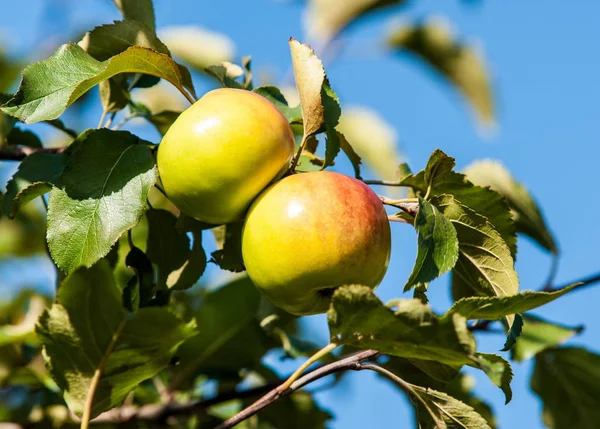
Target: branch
(383, 183)
(20, 153)
(352, 362)
(583, 282)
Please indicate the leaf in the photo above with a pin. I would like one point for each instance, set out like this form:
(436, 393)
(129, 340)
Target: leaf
(17, 333)
(193, 268)
(493, 308)
(167, 247)
(357, 318)
(567, 380)
(426, 373)
(513, 333)
(197, 46)
(538, 335)
(225, 75)
(326, 18)
(461, 388)
(140, 289)
(439, 177)
(355, 160)
(114, 95)
(498, 370)
(433, 42)
(438, 410)
(374, 140)
(437, 248)
(274, 95)
(137, 10)
(229, 253)
(526, 213)
(91, 347)
(50, 86)
(162, 121)
(18, 137)
(297, 411)
(102, 194)
(106, 41)
(484, 263)
(231, 337)
(35, 176)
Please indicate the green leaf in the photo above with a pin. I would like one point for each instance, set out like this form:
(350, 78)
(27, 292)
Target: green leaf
(102, 194)
(229, 243)
(438, 410)
(274, 95)
(492, 308)
(358, 318)
(513, 333)
(162, 121)
(109, 40)
(538, 335)
(355, 160)
(35, 176)
(91, 347)
(297, 411)
(231, 337)
(193, 268)
(567, 380)
(484, 263)
(114, 95)
(137, 10)
(426, 373)
(326, 18)
(461, 388)
(498, 370)
(332, 147)
(140, 289)
(437, 247)
(23, 331)
(526, 213)
(167, 247)
(439, 179)
(226, 75)
(433, 42)
(50, 86)
(19, 137)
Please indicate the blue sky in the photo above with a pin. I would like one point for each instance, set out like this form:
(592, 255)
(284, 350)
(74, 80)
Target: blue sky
(544, 61)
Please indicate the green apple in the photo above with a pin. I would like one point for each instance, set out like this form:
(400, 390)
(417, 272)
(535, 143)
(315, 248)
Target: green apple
(312, 232)
(222, 152)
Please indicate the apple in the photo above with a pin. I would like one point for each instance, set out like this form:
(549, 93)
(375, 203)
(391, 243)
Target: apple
(312, 232)
(222, 152)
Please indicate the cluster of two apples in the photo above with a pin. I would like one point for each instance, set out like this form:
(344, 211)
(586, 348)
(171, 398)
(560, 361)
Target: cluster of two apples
(305, 234)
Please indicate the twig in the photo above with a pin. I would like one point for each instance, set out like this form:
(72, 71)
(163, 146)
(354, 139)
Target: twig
(20, 153)
(397, 219)
(352, 362)
(383, 183)
(318, 355)
(585, 281)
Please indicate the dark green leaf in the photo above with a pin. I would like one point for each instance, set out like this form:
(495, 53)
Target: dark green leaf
(433, 42)
(224, 76)
(187, 223)
(513, 333)
(229, 242)
(140, 289)
(102, 194)
(50, 86)
(332, 146)
(461, 388)
(86, 335)
(492, 308)
(19, 137)
(274, 95)
(567, 380)
(439, 178)
(357, 318)
(231, 337)
(437, 246)
(114, 95)
(35, 176)
(351, 154)
(109, 40)
(162, 121)
(426, 373)
(484, 263)
(167, 247)
(538, 335)
(137, 10)
(526, 213)
(59, 125)
(498, 370)
(193, 268)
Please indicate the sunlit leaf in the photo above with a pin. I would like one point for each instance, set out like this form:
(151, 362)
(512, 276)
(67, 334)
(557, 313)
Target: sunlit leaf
(498, 370)
(527, 214)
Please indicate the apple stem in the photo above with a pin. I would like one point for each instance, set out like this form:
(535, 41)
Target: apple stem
(318, 355)
(390, 202)
(299, 153)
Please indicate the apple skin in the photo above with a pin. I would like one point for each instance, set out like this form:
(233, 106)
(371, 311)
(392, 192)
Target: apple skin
(312, 232)
(222, 152)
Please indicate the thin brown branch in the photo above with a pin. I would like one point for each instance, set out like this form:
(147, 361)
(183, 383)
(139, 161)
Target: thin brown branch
(352, 362)
(383, 183)
(583, 282)
(20, 153)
